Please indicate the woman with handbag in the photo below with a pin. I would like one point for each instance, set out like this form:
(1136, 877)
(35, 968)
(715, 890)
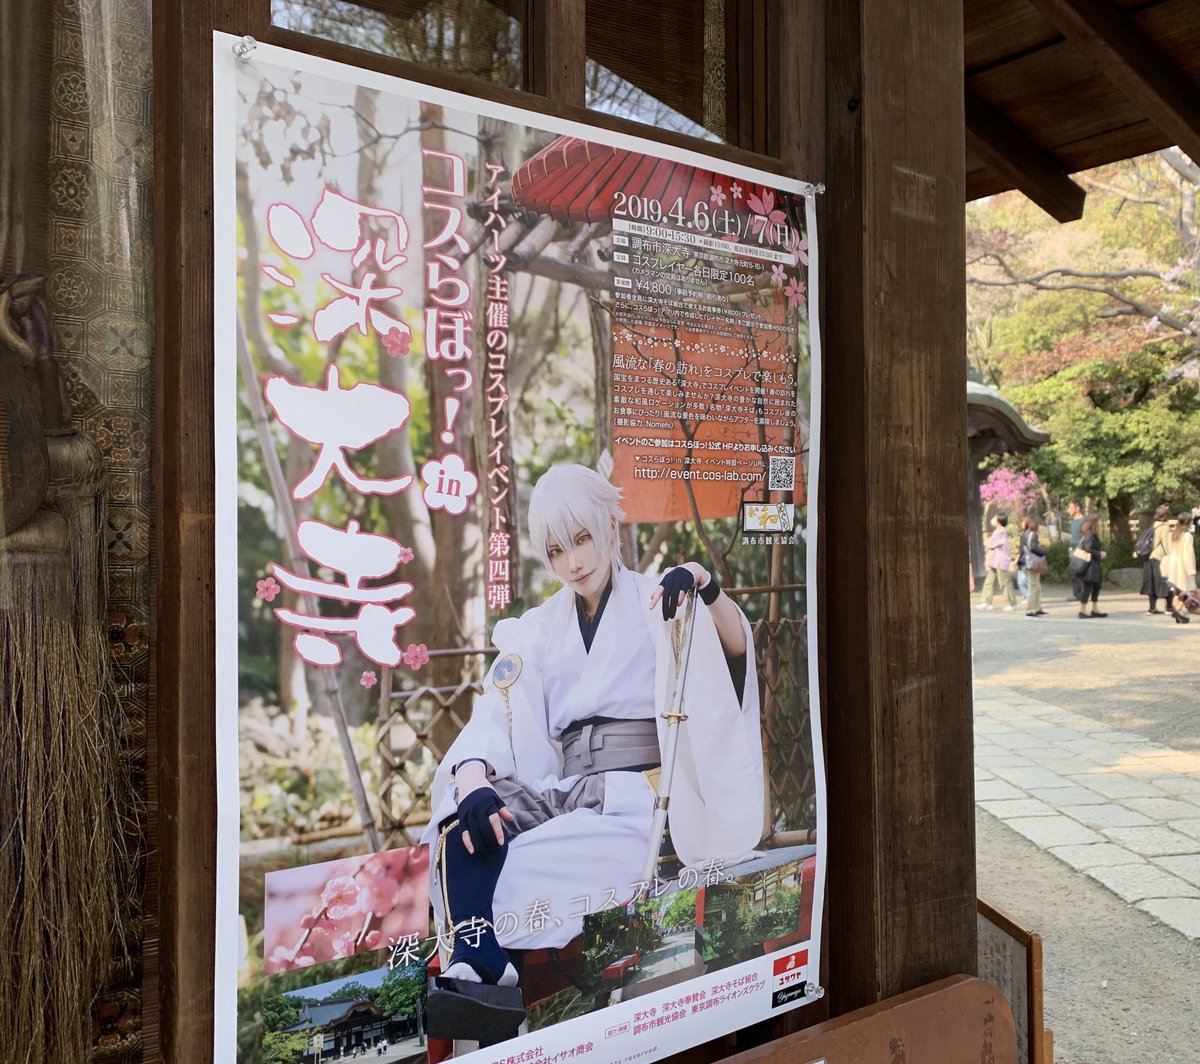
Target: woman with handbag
(1154, 584)
(1033, 563)
(1179, 566)
(1085, 564)
(999, 566)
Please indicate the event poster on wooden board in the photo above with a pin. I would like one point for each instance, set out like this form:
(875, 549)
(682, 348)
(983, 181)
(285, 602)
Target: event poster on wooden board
(518, 739)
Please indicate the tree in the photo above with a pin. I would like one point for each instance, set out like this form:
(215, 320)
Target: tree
(680, 913)
(1125, 428)
(401, 992)
(1135, 254)
(280, 1012)
(352, 991)
(280, 1048)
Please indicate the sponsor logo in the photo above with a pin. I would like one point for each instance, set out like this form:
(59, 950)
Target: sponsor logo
(788, 995)
(790, 962)
(612, 1032)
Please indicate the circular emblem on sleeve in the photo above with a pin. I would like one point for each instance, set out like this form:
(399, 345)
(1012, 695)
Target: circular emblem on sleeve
(506, 670)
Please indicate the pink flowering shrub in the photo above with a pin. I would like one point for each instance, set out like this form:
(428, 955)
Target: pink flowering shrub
(1010, 491)
(335, 909)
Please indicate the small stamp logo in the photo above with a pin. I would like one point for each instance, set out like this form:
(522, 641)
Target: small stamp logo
(612, 1032)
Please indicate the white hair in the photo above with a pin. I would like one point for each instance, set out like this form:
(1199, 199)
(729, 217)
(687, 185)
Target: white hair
(569, 497)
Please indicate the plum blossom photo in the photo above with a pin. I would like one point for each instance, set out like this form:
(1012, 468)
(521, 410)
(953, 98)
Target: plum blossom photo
(322, 912)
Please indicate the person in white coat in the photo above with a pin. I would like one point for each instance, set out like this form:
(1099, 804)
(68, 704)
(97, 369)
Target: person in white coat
(543, 806)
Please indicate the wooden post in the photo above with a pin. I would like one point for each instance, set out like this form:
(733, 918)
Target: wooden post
(901, 892)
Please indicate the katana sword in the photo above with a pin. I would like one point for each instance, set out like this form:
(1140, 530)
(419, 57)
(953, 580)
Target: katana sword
(674, 717)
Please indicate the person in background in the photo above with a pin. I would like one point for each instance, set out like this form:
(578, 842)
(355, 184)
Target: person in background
(999, 566)
(1154, 585)
(1031, 549)
(1179, 566)
(1090, 578)
(1076, 515)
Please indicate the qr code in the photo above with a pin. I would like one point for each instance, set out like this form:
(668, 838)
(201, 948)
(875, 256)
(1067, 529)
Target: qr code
(782, 473)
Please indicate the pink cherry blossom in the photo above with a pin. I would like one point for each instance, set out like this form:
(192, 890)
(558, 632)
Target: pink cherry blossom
(368, 679)
(716, 195)
(736, 190)
(798, 247)
(340, 897)
(381, 894)
(281, 957)
(777, 275)
(373, 940)
(416, 655)
(305, 960)
(267, 589)
(307, 921)
(406, 555)
(396, 342)
(765, 212)
(343, 945)
(796, 292)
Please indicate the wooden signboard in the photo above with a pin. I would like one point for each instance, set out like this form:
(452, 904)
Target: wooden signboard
(1011, 957)
(959, 1020)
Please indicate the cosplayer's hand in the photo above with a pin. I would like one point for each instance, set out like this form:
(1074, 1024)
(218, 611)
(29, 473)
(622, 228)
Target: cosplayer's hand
(482, 813)
(673, 587)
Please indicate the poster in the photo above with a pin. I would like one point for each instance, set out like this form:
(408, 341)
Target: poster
(483, 379)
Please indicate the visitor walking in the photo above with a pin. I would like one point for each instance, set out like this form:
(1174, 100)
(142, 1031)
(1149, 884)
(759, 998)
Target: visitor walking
(1091, 576)
(999, 566)
(1032, 562)
(1179, 565)
(1154, 584)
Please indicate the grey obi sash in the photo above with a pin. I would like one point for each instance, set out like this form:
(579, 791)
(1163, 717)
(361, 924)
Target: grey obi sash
(606, 744)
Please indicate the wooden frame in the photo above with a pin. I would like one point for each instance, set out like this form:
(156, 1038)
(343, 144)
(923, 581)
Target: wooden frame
(896, 695)
(1040, 1039)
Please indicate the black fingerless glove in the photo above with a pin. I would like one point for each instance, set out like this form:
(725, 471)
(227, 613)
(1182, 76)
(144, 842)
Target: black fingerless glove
(673, 584)
(474, 812)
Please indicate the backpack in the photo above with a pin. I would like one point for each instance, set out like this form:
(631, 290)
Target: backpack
(1145, 543)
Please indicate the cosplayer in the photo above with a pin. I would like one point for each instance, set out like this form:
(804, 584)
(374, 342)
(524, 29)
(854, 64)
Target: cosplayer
(546, 799)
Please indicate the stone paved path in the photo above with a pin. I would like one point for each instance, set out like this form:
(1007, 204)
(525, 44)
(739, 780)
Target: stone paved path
(1124, 811)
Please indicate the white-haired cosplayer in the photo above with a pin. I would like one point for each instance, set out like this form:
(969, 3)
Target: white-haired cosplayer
(543, 805)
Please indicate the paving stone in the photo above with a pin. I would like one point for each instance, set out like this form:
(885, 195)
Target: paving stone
(1162, 808)
(997, 790)
(1032, 777)
(1018, 807)
(1108, 815)
(1058, 830)
(1020, 741)
(1184, 785)
(1185, 866)
(1005, 759)
(1152, 841)
(1115, 785)
(1095, 855)
(1183, 914)
(982, 775)
(1133, 882)
(1060, 796)
(1190, 828)
(1093, 749)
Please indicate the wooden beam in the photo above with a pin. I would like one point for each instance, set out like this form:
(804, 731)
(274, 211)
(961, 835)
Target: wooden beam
(897, 698)
(1123, 54)
(1007, 151)
(558, 51)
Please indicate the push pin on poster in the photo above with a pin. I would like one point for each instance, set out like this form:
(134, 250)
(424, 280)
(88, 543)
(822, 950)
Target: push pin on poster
(244, 48)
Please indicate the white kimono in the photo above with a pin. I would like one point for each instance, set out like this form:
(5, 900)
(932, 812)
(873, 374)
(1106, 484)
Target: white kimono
(584, 861)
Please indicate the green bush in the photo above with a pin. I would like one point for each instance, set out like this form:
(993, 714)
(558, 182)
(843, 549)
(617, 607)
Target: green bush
(1057, 555)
